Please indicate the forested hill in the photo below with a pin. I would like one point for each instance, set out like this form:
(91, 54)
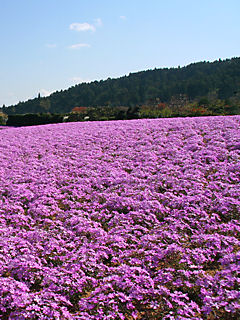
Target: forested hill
(219, 79)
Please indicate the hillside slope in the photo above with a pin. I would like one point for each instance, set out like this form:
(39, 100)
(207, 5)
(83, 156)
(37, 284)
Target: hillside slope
(220, 79)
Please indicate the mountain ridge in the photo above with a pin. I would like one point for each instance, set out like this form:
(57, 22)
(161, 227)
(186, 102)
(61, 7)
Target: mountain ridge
(219, 79)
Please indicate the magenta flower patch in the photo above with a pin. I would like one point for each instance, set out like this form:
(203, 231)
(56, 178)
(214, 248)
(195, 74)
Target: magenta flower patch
(121, 220)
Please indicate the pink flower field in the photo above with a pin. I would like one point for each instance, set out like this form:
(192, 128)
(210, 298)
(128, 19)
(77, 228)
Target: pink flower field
(121, 220)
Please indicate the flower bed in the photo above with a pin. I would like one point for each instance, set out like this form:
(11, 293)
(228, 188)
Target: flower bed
(121, 220)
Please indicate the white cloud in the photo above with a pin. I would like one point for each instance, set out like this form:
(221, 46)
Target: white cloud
(79, 45)
(98, 22)
(123, 17)
(51, 45)
(77, 80)
(82, 26)
(45, 93)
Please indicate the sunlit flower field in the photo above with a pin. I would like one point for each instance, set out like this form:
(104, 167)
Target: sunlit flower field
(121, 220)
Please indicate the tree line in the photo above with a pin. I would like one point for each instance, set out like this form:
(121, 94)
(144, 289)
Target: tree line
(218, 80)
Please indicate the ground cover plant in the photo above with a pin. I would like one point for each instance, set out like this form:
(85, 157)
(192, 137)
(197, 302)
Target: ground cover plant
(121, 220)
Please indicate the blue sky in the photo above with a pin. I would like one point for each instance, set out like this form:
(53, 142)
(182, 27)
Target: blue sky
(49, 45)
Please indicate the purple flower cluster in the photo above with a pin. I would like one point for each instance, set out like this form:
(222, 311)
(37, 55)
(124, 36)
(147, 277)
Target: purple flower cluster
(121, 220)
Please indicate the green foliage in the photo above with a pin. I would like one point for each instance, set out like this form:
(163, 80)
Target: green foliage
(157, 110)
(219, 80)
(3, 118)
(166, 112)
